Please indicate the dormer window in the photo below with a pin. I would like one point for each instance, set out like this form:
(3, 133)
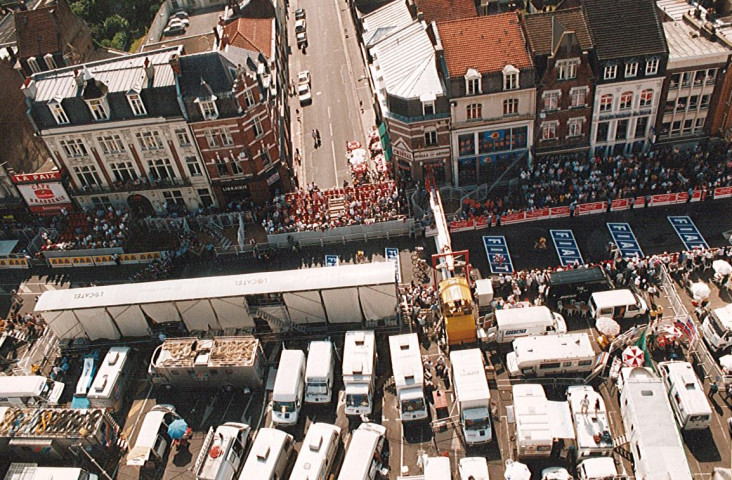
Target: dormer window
(99, 108)
(428, 103)
(58, 112)
(510, 77)
(652, 66)
(631, 70)
(135, 101)
(611, 71)
(33, 65)
(208, 108)
(472, 82)
(50, 62)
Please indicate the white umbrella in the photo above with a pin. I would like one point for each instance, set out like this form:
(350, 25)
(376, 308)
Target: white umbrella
(607, 326)
(516, 471)
(726, 362)
(633, 356)
(722, 267)
(700, 291)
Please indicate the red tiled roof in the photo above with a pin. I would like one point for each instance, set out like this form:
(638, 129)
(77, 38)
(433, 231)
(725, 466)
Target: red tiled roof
(446, 10)
(486, 44)
(252, 34)
(37, 31)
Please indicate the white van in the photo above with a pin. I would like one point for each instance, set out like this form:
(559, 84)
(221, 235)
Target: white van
(472, 395)
(598, 468)
(437, 468)
(688, 400)
(31, 471)
(512, 323)
(109, 385)
(551, 354)
(475, 468)
(269, 455)
(152, 439)
(617, 304)
(319, 372)
(222, 452)
(318, 452)
(367, 453)
(288, 388)
(29, 391)
(717, 327)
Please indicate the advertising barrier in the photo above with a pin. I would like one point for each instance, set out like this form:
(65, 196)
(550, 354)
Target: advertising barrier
(102, 260)
(82, 261)
(148, 257)
(620, 204)
(590, 208)
(128, 259)
(60, 262)
(722, 192)
(559, 212)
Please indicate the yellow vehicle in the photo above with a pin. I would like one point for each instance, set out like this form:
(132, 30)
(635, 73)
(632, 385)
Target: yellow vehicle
(458, 310)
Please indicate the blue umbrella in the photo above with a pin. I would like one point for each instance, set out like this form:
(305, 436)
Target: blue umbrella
(177, 429)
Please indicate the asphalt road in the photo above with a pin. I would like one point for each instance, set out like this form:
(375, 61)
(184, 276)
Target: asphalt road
(335, 71)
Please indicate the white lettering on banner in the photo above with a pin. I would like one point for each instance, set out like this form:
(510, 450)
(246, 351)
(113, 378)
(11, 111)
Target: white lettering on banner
(35, 177)
(273, 178)
(253, 281)
(430, 154)
(44, 194)
(401, 153)
(79, 296)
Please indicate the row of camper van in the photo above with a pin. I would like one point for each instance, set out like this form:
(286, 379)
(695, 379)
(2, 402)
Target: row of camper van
(311, 380)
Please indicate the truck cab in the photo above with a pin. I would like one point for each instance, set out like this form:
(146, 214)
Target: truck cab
(359, 363)
(222, 452)
(319, 372)
(406, 363)
(287, 396)
(717, 327)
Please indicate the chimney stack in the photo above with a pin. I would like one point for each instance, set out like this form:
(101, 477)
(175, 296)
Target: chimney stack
(79, 78)
(175, 63)
(149, 70)
(30, 88)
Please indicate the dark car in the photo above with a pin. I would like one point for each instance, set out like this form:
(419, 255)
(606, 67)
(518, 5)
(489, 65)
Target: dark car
(300, 14)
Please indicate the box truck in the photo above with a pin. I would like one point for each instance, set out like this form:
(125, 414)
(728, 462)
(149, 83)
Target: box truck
(29, 391)
(571, 353)
(472, 395)
(359, 363)
(688, 400)
(111, 380)
(717, 327)
(269, 457)
(534, 437)
(318, 452)
(512, 323)
(319, 372)
(222, 452)
(406, 364)
(152, 442)
(287, 395)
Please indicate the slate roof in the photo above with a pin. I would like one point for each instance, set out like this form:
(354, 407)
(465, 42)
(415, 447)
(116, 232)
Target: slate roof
(486, 44)
(204, 71)
(251, 34)
(446, 10)
(121, 74)
(624, 28)
(37, 31)
(539, 29)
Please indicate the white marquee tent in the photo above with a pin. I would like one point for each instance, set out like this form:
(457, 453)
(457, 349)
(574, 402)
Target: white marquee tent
(343, 294)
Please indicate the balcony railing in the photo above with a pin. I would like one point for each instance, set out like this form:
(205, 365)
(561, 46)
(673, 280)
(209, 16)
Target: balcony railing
(131, 186)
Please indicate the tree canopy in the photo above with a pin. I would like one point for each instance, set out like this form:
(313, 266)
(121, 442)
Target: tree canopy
(114, 23)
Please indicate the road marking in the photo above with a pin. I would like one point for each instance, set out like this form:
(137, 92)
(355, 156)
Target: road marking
(499, 258)
(330, 126)
(566, 246)
(687, 232)
(335, 162)
(329, 112)
(625, 240)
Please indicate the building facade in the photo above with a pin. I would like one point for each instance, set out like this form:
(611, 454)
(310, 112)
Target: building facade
(560, 45)
(491, 85)
(629, 59)
(117, 128)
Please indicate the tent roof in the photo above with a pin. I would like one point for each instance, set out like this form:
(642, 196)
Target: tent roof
(7, 247)
(322, 278)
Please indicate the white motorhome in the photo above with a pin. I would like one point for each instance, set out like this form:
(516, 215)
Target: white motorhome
(475, 468)
(437, 468)
(29, 391)
(591, 426)
(367, 453)
(359, 364)
(152, 439)
(318, 452)
(653, 438)
(406, 363)
(287, 395)
(512, 323)
(269, 456)
(472, 395)
(717, 328)
(109, 385)
(617, 304)
(688, 400)
(319, 372)
(598, 468)
(222, 452)
(31, 471)
(534, 436)
(571, 353)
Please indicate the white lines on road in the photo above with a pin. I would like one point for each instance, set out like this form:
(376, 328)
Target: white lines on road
(335, 161)
(329, 113)
(330, 127)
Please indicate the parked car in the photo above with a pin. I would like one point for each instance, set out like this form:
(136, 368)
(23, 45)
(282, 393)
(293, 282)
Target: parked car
(300, 14)
(175, 20)
(175, 29)
(302, 40)
(180, 14)
(300, 26)
(303, 88)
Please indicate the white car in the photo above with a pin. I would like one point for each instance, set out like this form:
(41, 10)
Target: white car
(303, 88)
(180, 14)
(178, 21)
(300, 26)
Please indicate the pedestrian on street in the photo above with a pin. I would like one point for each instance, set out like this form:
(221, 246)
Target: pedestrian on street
(713, 389)
(728, 395)
(315, 138)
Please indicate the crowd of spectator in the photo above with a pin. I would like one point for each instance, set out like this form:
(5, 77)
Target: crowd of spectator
(316, 209)
(103, 228)
(572, 180)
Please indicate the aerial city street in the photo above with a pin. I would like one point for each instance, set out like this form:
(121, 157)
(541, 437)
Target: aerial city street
(361, 240)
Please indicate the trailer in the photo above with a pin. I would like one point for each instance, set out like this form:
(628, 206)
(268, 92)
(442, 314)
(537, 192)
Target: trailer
(108, 388)
(233, 361)
(359, 365)
(540, 422)
(571, 353)
(650, 428)
(472, 395)
(591, 425)
(406, 364)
